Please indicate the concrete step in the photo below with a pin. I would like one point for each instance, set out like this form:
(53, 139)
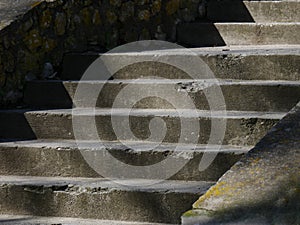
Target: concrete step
(276, 96)
(243, 128)
(218, 34)
(54, 158)
(274, 62)
(38, 220)
(98, 198)
(253, 11)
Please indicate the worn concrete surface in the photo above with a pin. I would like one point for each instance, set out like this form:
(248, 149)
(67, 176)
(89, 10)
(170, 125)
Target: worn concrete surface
(276, 96)
(263, 186)
(34, 220)
(63, 158)
(267, 62)
(98, 198)
(243, 128)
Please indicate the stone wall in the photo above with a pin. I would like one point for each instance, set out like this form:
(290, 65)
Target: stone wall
(52, 28)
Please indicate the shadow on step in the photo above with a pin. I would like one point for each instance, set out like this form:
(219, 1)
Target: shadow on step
(199, 35)
(15, 221)
(48, 94)
(204, 33)
(14, 126)
(228, 11)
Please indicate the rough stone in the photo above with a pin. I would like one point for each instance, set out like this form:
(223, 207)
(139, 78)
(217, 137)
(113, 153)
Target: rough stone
(9, 62)
(172, 7)
(60, 23)
(46, 19)
(156, 7)
(27, 24)
(33, 40)
(95, 198)
(116, 3)
(144, 15)
(85, 16)
(127, 11)
(96, 18)
(111, 17)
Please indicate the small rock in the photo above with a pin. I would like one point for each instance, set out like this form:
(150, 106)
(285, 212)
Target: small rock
(187, 15)
(30, 77)
(48, 71)
(13, 96)
(202, 9)
(174, 30)
(160, 35)
(60, 23)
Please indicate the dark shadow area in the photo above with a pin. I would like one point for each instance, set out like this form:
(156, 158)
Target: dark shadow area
(203, 32)
(199, 35)
(74, 65)
(14, 126)
(47, 94)
(228, 11)
(17, 221)
(64, 163)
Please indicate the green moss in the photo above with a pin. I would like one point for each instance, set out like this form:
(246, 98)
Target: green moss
(198, 212)
(221, 188)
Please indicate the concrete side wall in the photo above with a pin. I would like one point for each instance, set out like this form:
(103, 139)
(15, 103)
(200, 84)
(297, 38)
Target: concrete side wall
(44, 30)
(262, 188)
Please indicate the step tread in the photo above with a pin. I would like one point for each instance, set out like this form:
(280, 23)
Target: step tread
(137, 146)
(34, 220)
(236, 49)
(174, 81)
(254, 23)
(211, 34)
(82, 185)
(185, 113)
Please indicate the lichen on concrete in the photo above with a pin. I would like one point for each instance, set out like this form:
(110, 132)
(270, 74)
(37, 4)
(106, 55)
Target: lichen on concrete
(264, 184)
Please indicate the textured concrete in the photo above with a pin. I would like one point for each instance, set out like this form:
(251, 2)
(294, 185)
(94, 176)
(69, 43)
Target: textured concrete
(243, 128)
(98, 198)
(218, 34)
(63, 158)
(46, 33)
(34, 220)
(273, 62)
(277, 96)
(263, 185)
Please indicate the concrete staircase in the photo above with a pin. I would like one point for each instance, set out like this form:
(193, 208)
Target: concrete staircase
(44, 173)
